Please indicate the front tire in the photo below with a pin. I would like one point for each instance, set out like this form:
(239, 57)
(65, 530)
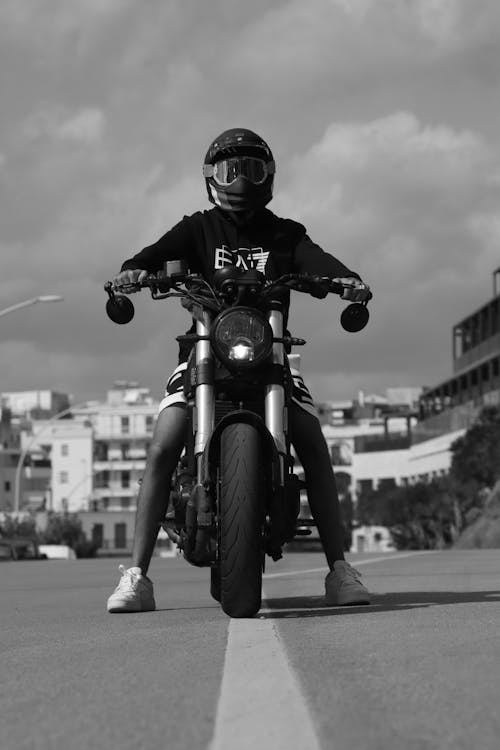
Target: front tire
(241, 519)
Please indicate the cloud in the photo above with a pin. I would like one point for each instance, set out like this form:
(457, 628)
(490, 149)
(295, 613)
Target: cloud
(57, 18)
(413, 208)
(85, 126)
(368, 185)
(384, 120)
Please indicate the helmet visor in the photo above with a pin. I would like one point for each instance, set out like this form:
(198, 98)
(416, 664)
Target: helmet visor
(227, 171)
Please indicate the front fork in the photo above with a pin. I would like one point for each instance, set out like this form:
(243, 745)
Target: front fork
(199, 515)
(275, 407)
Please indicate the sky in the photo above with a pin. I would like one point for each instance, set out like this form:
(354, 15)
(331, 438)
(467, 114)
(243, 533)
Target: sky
(384, 120)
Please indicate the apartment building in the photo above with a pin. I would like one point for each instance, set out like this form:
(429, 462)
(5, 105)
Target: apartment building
(475, 381)
(35, 404)
(122, 428)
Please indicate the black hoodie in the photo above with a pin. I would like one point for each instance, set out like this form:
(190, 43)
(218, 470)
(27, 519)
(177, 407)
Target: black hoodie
(212, 239)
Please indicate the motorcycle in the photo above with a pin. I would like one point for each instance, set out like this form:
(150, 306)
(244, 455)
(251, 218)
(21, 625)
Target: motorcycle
(234, 497)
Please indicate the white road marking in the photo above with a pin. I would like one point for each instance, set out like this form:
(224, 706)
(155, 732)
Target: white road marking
(355, 565)
(261, 704)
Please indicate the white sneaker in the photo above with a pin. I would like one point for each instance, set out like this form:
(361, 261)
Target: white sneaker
(343, 586)
(134, 593)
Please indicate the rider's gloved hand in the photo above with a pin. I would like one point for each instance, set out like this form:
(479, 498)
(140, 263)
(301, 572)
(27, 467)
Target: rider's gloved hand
(129, 277)
(355, 290)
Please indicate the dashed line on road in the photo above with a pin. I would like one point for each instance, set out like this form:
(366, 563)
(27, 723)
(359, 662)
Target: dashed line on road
(261, 704)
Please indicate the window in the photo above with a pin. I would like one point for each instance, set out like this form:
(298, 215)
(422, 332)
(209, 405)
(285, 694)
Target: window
(495, 367)
(120, 535)
(364, 486)
(386, 483)
(102, 479)
(64, 449)
(63, 477)
(125, 447)
(494, 317)
(100, 451)
(125, 478)
(485, 324)
(149, 424)
(125, 502)
(125, 423)
(98, 534)
(6, 486)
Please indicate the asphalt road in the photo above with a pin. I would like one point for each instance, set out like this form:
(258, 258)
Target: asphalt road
(417, 669)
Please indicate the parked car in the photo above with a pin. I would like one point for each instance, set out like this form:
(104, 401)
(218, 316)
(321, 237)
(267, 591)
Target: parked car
(57, 552)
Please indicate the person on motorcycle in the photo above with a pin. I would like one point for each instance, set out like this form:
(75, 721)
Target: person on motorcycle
(239, 230)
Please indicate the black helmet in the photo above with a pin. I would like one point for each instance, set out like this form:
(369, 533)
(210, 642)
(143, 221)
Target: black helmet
(239, 171)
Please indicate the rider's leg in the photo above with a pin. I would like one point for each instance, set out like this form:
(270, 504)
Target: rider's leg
(164, 452)
(310, 444)
(342, 584)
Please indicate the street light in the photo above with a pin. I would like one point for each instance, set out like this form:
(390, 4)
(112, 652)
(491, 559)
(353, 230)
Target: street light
(32, 301)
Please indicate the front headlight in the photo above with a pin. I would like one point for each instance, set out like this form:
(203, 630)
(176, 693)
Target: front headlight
(241, 337)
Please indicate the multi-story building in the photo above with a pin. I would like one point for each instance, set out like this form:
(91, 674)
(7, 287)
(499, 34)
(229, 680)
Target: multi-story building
(367, 455)
(97, 458)
(36, 471)
(122, 431)
(37, 404)
(9, 454)
(475, 382)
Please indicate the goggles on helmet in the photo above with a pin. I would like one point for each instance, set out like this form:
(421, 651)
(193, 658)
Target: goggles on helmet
(227, 171)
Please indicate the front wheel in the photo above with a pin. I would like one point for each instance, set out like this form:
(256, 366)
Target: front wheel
(241, 520)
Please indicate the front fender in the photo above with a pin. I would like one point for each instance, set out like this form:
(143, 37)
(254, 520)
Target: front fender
(211, 453)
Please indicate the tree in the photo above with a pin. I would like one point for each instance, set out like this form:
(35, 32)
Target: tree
(433, 515)
(66, 528)
(419, 516)
(62, 528)
(476, 455)
(16, 527)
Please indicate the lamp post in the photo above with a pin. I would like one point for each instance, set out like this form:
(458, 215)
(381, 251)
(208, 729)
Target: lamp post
(24, 453)
(32, 301)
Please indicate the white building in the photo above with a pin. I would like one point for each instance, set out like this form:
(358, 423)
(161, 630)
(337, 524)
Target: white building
(98, 456)
(37, 403)
(122, 429)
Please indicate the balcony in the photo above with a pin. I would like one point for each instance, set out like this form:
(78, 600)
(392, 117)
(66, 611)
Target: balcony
(115, 491)
(477, 354)
(120, 464)
(117, 436)
(375, 443)
(456, 418)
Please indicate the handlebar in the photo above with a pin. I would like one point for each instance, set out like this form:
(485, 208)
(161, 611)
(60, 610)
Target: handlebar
(160, 284)
(195, 288)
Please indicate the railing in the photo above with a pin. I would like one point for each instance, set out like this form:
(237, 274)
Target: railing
(456, 418)
(374, 443)
(477, 354)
